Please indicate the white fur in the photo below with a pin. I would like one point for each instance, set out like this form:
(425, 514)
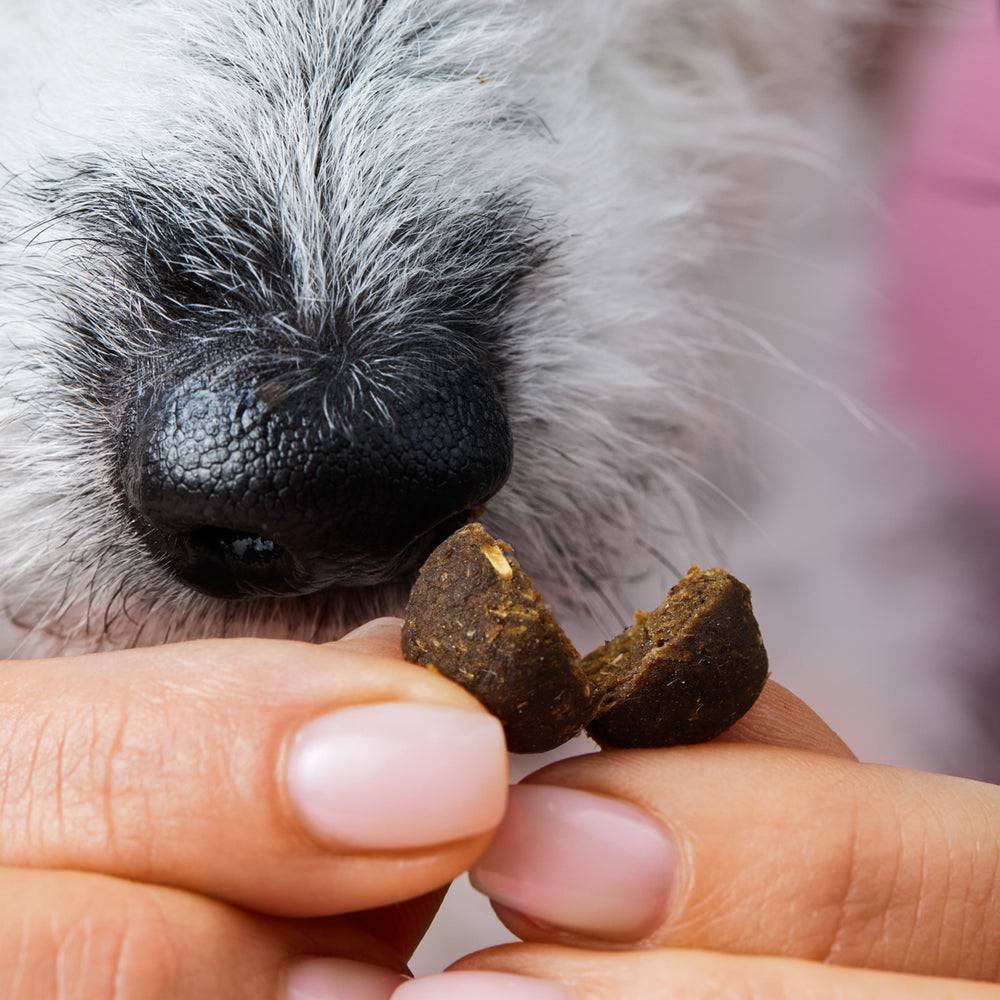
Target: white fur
(649, 144)
(632, 132)
(652, 142)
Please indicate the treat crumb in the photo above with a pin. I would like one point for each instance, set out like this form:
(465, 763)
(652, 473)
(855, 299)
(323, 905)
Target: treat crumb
(498, 561)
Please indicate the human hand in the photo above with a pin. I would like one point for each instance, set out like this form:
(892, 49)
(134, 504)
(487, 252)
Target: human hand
(181, 822)
(739, 869)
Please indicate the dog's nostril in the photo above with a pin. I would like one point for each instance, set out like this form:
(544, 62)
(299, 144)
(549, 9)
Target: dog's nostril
(227, 563)
(243, 490)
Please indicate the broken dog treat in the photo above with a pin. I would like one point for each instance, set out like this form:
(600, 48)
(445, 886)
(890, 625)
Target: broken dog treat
(475, 617)
(683, 673)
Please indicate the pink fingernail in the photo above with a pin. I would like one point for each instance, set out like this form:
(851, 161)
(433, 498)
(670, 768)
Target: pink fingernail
(398, 776)
(376, 627)
(339, 979)
(480, 986)
(580, 862)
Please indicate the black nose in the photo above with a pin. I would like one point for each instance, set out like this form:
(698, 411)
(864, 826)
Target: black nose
(263, 489)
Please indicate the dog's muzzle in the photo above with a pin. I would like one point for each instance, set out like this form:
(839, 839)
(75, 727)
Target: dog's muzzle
(243, 487)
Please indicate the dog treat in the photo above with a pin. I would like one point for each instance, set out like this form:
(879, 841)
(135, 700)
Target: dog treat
(475, 617)
(683, 673)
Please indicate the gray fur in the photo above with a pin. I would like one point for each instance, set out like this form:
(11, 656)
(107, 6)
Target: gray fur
(185, 173)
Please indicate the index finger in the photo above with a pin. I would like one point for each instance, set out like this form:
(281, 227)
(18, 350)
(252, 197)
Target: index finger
(780, 719)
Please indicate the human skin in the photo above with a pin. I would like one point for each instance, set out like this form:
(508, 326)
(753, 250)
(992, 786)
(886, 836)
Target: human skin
(794, 871)
(162, 834)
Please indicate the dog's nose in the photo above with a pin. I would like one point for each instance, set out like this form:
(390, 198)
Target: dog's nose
(268, 490)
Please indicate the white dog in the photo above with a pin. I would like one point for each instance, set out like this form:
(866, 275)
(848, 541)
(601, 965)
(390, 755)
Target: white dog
(290, 288)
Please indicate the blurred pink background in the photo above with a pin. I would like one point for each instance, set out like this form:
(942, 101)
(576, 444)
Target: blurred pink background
(944, 244)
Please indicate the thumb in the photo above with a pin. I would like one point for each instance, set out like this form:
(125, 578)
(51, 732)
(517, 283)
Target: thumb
(779, 719)
(402, 925)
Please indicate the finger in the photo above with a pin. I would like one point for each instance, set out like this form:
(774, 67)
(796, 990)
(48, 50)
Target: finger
(293, 779)
(68, 934)
(755, 850)
(403, 925)
(779, 719)
(381, 637)
(538, 972)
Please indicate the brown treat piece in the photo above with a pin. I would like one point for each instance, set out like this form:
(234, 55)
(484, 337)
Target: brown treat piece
(474, 616)
(683, 673)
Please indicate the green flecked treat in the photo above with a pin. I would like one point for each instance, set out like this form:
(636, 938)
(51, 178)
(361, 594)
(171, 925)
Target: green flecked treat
(474, 616)
(683, 673)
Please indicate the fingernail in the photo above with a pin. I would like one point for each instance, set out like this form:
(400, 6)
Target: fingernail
(584, 863)
(380, 626)
(398, 776)
(480, 986)
(339, 979)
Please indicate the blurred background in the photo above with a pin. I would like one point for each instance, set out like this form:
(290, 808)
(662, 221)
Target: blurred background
(867, 360)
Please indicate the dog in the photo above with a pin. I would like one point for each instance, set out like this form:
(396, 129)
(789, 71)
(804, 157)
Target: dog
(342, 217)
(289, 289)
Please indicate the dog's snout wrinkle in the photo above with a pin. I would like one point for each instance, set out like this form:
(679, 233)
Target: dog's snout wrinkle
(243, 491)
